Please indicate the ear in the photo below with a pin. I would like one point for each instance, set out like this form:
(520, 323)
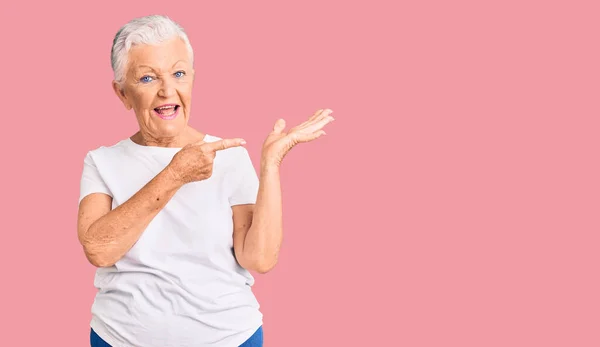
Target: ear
(121, 94)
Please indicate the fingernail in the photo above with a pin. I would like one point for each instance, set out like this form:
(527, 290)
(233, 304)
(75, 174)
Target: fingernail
(243, 142)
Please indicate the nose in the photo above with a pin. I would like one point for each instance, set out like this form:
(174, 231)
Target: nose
(167, 88)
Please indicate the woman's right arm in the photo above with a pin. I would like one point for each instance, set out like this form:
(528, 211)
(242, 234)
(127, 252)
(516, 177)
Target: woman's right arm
(105, 234)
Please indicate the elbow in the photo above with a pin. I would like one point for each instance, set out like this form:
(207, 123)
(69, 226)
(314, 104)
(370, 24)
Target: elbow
(263, 266)
(101, 262)
(97, 254)
(263, 270)
(256, 264)
(97, 259)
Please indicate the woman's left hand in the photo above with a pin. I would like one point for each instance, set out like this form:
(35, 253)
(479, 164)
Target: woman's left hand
(279, 143)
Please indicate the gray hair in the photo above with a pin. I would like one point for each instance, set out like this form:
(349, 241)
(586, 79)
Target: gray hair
(151, 30)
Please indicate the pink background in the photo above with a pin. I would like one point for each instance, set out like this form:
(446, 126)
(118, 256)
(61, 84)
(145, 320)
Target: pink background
(455, 201)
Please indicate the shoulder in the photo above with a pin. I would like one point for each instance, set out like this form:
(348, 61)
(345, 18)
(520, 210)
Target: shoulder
(106, 151)
(234, 158)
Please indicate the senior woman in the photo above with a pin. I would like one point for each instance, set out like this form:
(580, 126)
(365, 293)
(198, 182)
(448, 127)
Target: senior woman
(174, 218)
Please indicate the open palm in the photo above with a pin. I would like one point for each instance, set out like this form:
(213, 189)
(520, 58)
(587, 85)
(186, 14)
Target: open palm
(279, 142)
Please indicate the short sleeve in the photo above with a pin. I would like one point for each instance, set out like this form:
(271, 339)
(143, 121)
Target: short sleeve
(245, 180)
(91, 181)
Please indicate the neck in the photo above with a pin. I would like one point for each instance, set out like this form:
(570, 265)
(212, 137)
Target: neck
(186, 137)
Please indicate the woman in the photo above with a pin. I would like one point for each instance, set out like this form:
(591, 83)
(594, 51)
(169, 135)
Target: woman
(172, 217)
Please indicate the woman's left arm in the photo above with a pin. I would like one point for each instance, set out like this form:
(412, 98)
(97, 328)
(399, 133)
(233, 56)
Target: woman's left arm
(258, 228)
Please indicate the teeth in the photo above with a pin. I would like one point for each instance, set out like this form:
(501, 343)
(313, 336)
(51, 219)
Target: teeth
(165, 107)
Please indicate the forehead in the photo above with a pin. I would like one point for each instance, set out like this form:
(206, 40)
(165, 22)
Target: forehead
(160, 56)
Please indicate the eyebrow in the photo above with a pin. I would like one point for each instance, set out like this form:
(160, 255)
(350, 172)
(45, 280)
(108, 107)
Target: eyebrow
(151, 68)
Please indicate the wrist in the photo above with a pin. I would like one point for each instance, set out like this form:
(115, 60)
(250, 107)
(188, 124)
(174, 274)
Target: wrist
(175, 179)
(267, 166)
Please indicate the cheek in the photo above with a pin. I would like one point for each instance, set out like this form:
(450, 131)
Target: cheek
(143, 99)
(185, 93)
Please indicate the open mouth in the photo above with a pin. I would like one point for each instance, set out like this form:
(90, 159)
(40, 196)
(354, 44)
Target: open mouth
(167, 111)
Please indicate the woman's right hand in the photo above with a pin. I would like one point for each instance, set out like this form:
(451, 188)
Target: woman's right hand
(194, 162)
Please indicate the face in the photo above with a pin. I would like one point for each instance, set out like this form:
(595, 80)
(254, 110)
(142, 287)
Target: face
(158, 87)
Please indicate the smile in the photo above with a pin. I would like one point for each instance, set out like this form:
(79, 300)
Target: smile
(167, 112)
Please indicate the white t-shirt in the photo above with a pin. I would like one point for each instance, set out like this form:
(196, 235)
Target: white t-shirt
(180, 284)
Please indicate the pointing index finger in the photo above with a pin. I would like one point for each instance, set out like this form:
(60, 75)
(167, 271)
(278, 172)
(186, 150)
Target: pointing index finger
(224, 144)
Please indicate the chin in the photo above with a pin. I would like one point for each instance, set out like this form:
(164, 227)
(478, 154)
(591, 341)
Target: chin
(172, 129)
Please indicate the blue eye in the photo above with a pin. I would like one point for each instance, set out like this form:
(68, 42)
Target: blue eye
(146, 79)
(180, 74)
